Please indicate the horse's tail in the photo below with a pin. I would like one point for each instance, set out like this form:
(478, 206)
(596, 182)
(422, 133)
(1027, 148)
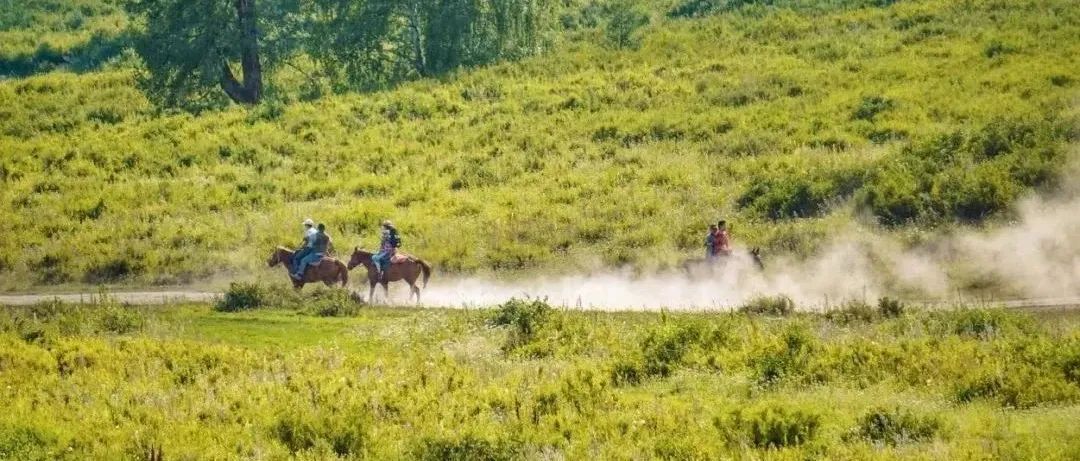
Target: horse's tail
(343, 274)
(426, 269)
(756, 254)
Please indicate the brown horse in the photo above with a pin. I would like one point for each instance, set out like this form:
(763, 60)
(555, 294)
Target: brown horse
(403, 267)
(697, 266)
(328, 270)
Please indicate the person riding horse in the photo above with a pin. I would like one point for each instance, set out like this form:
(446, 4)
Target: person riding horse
(306, 246)
(388, 245)
(320, 245)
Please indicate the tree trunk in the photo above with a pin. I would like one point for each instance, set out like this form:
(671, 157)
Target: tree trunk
(417, 38)
(250, 91)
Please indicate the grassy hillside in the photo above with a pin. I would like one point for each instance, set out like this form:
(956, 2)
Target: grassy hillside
(526, 382)
(791, 120)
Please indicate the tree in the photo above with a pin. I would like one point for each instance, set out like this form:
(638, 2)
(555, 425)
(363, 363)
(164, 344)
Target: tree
(189, 48)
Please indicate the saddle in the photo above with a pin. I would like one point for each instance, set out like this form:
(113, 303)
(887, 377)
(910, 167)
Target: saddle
(320, 261)
(399, 258)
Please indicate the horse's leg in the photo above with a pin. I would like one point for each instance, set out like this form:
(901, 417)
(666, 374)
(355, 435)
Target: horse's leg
(413, 289)
(386, 290)
(371, 291)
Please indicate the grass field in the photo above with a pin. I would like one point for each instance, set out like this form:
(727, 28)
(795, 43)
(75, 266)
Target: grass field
(793, 120)
(862, 382)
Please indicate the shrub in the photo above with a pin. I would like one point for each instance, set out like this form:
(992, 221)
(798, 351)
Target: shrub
(870, 107)
(467, 448)
(769, 305)
(664, 349)
(627, 373)
(302, 431)
(896, 426)
(890, 308)
(1019, 385)
(26, 443)
(776, 427)
(243, 296)
(985, 323)
(120, 319)
(626, 18)
(852, 312)
(787, 361)
(332, 302)
(526, 316)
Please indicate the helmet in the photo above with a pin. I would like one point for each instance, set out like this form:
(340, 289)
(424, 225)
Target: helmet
(308, 222)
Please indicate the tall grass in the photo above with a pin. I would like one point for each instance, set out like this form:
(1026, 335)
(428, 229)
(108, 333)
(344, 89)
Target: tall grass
(439, 384)
(925, 113)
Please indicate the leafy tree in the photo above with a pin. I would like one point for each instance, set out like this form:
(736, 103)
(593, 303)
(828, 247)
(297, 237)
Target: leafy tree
(389, 40)
(626, 18)
(190, 48)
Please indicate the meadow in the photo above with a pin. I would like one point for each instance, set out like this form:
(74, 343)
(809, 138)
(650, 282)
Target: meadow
(614, 146)
(263, 376)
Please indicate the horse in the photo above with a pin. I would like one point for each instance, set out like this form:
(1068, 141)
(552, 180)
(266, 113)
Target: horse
(403, 267)
(695, 266)
(328, 270)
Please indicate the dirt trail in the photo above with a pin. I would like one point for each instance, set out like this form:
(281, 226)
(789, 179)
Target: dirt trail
(129, 297)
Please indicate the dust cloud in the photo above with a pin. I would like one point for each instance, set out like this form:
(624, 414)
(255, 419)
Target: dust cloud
(1037, 256)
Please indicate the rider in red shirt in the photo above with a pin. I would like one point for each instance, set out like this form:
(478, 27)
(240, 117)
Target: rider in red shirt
(722, 239)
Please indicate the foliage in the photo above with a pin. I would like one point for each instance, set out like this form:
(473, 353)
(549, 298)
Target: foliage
(243, 296)
(626, 17)
(777, 427)
(322, 302)
(524, 316)
(769, 305)
(558, 160)
(433, 384)
(897, 426)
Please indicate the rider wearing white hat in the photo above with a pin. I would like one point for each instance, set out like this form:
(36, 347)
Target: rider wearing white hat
(305, 247)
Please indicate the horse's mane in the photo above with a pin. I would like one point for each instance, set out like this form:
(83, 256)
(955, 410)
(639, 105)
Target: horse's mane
(287, 250)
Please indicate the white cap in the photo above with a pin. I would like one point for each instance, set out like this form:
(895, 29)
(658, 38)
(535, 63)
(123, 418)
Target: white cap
(309, 222)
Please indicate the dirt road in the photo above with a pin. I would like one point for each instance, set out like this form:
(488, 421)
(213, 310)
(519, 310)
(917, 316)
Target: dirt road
(129, 297)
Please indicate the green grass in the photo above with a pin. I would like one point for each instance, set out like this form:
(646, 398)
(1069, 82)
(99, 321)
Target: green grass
(188, 381)
(789, 120)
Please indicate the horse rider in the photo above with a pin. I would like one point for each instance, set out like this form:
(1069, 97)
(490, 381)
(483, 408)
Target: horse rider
(320, 245)
(306, 245)
(388, 245)
(723, 239)
(710, 243)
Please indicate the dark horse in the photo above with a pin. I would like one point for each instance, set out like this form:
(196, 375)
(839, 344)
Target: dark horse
(403, 267)
(697, 265)
(328, 270)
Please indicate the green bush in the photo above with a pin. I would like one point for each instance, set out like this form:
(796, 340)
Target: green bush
(19, 442)
(120, 320)
(852, 312)
(890, 308)
(786, 361)
(332, 302)
(626, 17)
(776, 426)
(896, 426)
(627, 373)
(524, 315)
(243, 296)
(984, 323)
(1019, 385)
(301, 431)
(468, 448)
(769, 305)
